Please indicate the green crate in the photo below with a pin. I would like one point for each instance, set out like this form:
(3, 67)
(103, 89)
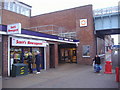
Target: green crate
(19, 69)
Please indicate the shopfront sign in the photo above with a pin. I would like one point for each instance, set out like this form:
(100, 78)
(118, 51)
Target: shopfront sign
(28, 42)
(83, 22)
(14, 28)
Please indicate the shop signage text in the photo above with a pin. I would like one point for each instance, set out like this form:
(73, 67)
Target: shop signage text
(83, 22)
(14, 28)
(65, 39)
(28, 42)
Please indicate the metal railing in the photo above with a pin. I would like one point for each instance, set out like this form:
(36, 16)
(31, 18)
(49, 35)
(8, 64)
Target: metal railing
(54, 30)
(103, 11)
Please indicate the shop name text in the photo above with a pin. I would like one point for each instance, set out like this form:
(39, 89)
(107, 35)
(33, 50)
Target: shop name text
(28, 42)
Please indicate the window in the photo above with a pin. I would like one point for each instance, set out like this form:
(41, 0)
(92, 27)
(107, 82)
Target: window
(11, 6)
(14, 7)
(17, 7)
(27, 12)
(6, 5)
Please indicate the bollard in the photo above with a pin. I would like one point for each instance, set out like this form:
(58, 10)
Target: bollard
(117, 74)
(108, 67)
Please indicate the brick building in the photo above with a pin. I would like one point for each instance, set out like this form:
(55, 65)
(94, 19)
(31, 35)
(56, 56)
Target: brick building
(69, 20)
(71, 24)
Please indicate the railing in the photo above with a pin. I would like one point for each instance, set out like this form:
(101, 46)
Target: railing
(54, 30)
(104, 11)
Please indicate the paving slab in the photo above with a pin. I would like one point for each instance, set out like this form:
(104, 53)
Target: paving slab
(64, 76)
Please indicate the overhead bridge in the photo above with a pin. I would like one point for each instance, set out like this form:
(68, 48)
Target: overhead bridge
(107, 21)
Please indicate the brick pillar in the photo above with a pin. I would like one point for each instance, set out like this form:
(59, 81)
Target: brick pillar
(5, 56)
(1, 55)
(47, 58)
(56, 54)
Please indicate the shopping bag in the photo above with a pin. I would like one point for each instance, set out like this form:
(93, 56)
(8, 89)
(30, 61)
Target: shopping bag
(100, 67)
(93, 63)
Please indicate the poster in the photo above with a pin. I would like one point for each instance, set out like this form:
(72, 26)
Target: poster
(86, 50)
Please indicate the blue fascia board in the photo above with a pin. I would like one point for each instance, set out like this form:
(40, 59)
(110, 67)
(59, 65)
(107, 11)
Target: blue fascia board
(39, 34)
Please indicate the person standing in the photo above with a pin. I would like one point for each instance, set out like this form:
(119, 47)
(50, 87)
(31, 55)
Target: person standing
(29, 61)
(97, 63)
(37, 62)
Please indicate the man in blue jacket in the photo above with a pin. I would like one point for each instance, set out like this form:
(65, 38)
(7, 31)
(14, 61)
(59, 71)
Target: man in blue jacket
(37, 62)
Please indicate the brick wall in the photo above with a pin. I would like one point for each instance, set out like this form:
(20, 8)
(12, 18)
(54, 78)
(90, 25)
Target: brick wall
(47, 58)
(10, 17)
(5, 55)
(55, 50)
(62, 19)
(68, 20)
(85, 34)
(1, 46)
(56, 54)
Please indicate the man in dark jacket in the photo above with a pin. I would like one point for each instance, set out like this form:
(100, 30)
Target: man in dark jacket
(37, 62)
(97, 60)
(29, 61)
(97, 63)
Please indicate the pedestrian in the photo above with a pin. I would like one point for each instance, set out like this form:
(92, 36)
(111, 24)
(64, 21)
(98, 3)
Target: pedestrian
(93, 62)
(37, 62)
(97, 62)
(29, 61)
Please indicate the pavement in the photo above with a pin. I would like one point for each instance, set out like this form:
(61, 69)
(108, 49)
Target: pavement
(115, 59)
(0, 82)
(64, 76)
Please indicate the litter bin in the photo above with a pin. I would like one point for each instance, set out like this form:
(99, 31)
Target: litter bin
(19, 69)
(108, 67)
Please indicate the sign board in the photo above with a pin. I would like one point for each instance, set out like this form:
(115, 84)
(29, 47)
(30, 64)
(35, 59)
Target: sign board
(83, 22)
(28, 42)
(14, 28)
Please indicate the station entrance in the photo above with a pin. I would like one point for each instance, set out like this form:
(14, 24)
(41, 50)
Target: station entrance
(67, 53)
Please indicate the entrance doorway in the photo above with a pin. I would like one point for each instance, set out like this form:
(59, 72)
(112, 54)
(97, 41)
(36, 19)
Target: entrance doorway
(52, 56)
(67, 53)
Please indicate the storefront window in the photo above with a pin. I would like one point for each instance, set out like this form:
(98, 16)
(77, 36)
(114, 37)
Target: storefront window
(15, 55)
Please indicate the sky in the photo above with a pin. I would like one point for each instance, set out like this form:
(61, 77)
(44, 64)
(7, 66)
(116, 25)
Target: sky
(47, 6)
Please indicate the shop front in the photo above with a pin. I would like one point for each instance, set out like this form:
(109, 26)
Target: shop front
(20, 47)
(17, 44)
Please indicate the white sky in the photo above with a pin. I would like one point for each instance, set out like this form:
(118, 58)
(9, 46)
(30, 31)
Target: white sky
(46, 6)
